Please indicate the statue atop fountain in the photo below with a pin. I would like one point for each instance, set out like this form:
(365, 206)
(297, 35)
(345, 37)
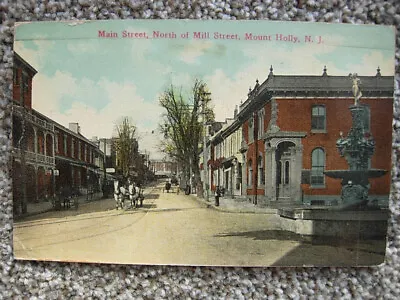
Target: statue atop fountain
(356, 88)
(357, 148)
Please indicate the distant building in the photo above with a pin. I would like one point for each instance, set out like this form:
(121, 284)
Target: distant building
(139, 161)
(77, 159)
(163, 167)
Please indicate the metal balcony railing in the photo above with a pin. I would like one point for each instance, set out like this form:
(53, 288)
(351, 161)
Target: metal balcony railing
(32, 118)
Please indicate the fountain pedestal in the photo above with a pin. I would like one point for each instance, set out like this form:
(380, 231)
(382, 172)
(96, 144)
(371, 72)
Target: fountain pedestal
(357, 148)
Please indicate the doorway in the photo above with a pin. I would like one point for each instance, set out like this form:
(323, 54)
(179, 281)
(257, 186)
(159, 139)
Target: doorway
(284, 156)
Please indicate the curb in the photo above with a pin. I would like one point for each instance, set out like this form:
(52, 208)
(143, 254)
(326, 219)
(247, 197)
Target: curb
(208, 204)
(84, 202)
(31, 214)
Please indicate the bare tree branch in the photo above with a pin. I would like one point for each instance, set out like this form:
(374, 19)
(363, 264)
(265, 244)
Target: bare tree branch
(182, 124)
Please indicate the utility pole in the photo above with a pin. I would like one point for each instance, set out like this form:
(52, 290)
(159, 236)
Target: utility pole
(104, 186)
(205, 167)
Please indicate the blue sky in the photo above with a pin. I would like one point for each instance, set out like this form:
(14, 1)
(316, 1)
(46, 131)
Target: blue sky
(95, 81)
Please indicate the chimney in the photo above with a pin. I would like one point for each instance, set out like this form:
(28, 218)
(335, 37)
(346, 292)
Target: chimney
(75, 127)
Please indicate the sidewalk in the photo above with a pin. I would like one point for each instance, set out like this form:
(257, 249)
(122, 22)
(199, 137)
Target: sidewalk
(45, 206)
(236, 205)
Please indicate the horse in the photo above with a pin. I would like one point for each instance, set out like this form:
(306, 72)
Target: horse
(133, 194)
(119, 194)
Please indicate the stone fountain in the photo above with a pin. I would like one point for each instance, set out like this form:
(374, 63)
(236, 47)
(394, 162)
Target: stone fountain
(354, 217)
(357, 148)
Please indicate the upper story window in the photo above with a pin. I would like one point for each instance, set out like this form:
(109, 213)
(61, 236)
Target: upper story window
(251, 129)
(65, 145)
(16, 77)
(25, 82)
(56, 141)
(218, 151)
(318, 118)
(260, 123)
(72, 147)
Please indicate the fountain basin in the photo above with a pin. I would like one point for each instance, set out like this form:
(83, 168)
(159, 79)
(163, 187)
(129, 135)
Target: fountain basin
(355, 175)
(332, 223)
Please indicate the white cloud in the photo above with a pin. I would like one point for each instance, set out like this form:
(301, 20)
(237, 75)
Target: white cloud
(47, 91)
(228, 91)
(194, 49)
(82, 46)
(35, 57)
(370, 62)
(123, 101)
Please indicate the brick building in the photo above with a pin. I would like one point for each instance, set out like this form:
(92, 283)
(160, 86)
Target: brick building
(79, 161)
(45, 154)
(33, 161)
(290, 125)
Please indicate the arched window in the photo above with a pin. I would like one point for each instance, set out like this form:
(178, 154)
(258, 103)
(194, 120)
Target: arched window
(261, 174)
(318, 118)
(250, 173)
(317, 167)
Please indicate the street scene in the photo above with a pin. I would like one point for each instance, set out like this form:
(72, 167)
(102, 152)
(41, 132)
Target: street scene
(178, 229)
(227, 153)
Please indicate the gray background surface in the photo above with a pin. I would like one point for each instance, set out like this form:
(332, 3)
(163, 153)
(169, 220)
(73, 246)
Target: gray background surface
(19, 279)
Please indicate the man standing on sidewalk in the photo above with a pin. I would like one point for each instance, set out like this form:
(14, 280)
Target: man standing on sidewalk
(217, 195)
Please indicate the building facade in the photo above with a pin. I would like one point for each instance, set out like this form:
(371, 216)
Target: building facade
(288, 127)
(46, 156)
(162, 167)
(33, 157)
(79, 161)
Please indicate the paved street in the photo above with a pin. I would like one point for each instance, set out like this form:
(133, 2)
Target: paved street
(176, 229)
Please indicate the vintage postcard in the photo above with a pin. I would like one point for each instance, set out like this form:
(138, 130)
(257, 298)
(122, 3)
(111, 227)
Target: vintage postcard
(207, 143)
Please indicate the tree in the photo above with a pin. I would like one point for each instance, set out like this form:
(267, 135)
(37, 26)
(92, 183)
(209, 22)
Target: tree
(182, 126)
(126, 146)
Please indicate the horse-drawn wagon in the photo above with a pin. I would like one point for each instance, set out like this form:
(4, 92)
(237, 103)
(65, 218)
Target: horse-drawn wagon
(66, 197)
(129, 192)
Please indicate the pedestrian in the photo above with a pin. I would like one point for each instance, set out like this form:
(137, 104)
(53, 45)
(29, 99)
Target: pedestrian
(217, 195)
(167, 186)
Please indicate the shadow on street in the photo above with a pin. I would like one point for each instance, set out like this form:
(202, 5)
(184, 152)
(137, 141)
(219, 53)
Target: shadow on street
(265, 235)
(373, 245)
(152, 196)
